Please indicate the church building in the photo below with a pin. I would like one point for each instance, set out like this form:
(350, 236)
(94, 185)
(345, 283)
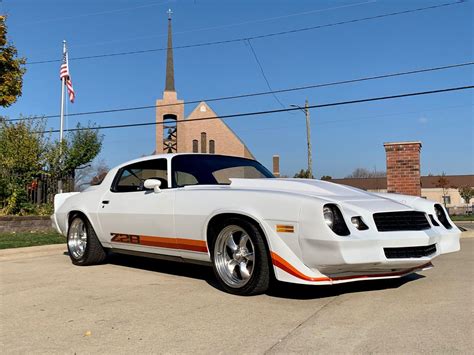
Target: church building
(178, 134)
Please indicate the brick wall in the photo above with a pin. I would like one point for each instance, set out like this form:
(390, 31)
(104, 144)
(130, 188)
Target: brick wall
(9, 224)
(403, 167)
(175, 107)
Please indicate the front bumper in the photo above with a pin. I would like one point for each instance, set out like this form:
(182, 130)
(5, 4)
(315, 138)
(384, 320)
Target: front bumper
(356, 254)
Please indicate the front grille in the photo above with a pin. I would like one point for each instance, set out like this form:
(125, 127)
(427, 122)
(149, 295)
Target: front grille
(401, 221)
(409, 252)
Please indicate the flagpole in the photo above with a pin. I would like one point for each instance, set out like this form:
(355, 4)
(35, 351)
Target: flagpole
(61, 137)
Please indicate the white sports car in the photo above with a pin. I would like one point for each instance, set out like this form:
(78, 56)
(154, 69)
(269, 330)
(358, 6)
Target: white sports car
(232, 212)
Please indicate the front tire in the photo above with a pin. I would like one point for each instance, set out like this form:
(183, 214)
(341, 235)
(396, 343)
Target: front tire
(82, 243)
(240, 258)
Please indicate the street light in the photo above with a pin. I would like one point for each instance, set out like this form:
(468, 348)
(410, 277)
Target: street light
(308, 136)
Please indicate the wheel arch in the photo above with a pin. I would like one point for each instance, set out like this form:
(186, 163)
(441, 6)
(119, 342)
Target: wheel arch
(77, 212)
(221, 216)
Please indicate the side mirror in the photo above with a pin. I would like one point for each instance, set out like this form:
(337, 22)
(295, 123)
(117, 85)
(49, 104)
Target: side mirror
(152, 184)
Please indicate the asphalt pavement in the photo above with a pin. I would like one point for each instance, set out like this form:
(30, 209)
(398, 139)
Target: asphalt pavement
(134, 305)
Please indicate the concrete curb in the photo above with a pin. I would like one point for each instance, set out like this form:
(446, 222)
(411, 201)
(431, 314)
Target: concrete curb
(32, 252)
(467, 234)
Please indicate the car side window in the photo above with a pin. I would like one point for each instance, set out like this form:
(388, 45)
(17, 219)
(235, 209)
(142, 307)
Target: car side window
(183, 179)
(131, 178)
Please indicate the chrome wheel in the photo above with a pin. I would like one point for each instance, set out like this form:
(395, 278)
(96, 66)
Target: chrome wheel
(234, 256)
(77, 238)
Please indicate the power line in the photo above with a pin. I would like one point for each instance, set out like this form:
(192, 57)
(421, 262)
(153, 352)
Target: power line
(258, 113)
(242, 39)
(92, 14)
(230, 24)
(263, 73)
(262, 93)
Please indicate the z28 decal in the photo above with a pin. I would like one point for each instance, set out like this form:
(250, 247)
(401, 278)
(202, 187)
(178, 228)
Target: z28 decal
(161, 242)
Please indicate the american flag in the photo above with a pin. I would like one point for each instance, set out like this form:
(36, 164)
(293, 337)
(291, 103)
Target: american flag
(64, 73)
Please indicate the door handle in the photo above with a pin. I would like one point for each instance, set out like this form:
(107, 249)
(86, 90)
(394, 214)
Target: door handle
(105, 202)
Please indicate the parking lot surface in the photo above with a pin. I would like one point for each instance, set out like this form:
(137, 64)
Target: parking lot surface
(133, 305)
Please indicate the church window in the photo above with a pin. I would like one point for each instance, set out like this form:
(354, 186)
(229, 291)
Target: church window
(203, 142)
(212, 146)
(195, 146)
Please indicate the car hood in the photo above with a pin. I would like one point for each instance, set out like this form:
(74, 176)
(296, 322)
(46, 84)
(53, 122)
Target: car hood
(326, 191)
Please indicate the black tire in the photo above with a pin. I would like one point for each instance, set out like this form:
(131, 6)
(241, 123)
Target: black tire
(259, 280)
(94, 253)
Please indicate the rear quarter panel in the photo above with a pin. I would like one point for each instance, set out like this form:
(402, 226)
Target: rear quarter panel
(86, 202)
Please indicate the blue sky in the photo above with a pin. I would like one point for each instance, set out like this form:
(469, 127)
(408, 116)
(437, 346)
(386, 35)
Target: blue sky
(344, 137)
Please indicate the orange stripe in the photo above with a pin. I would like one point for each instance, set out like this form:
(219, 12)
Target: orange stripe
(285, 229)
(169, 243)
(278, 261)
(281, 263)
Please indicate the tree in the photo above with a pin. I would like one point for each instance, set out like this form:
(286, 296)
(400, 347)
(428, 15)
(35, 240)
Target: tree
(22, 152)
(466, 192)
(76, 151)
(326, 177)
(443, 184)
(303, 174)
(92, 174)
(12, 69)
(26, 154)
(365, 173)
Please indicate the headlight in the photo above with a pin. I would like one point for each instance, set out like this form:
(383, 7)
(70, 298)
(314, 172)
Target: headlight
(441, 215)
(359, 223)
(334, 220)
(328, 216)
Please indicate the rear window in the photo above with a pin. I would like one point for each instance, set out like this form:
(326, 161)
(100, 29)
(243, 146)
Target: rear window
(214, 169)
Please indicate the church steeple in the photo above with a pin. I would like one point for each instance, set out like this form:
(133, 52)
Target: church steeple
(169, 86)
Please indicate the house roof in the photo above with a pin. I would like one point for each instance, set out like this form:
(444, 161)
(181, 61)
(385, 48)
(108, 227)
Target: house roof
(427, 182)
(453, 181)
(378, 183)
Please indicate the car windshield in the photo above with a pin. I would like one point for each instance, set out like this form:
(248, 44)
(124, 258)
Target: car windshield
(214, 169)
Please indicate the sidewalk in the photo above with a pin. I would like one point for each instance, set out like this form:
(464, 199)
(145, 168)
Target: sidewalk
(32, 252)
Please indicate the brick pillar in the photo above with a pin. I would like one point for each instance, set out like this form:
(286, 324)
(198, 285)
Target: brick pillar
(403, 167)
(276, 165)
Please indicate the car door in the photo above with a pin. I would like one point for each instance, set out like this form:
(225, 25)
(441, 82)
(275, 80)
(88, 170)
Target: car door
(134, 218)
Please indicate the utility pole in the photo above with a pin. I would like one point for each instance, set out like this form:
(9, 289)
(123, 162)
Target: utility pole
(308, 138)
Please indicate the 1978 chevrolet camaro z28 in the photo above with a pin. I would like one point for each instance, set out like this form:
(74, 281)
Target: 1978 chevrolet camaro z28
(233, 213)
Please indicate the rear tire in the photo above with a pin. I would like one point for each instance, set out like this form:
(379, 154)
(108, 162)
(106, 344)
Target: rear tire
(240, 257)
(82, 243)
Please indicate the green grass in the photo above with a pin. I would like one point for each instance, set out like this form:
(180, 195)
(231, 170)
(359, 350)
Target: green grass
(462, 217)
(20, 240)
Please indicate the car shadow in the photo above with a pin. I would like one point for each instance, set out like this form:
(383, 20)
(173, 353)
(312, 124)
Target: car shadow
(182, 269)
(277, 289)
(304, 292)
